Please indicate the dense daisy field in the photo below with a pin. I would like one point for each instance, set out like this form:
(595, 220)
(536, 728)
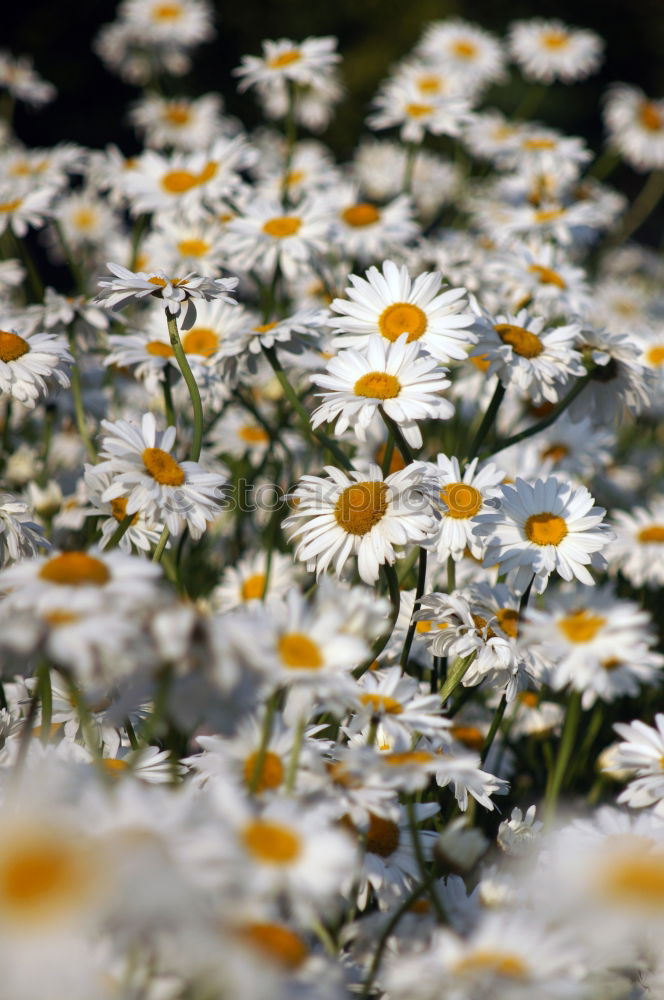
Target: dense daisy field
(332, 532)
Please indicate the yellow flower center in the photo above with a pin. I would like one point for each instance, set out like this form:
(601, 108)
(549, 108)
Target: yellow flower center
(84, 218)
(177, 114)
(361, 506)
(556, 452)
(179, 181)
(253, 587)
(294, 177)
(546, 276)
(377, 385)
(163, 467)
(193, 248)
(653, 533)
(464, 49)
(470, 736)
(482, 362)
(167, 12)
(402, 317)
(494, 963)
(200, 340)
(271, 772)
(549, 214)
(408, 757)
(612, 663)
(555, 39)
(416, 110)
(11, 206)
(266, 327)
(636, 879)
(382, 703)
(528, 698)
(382, 836)
(299, 652)
(12, 346)
(282, 226)
(522, 342)
(276, 942)
(271, 843)
(58, 617)
(362, 214)
(534, 143)
(114, 767)
(158, 349)
(581, 625)
(253, 434)
(545, 528)
(41, 876)
(286, 58)
(655, 355)
(396, 464)
(651, 117)
(508, 619)
(462, 501)
(119, 510)
(429, 84)
(75, 569)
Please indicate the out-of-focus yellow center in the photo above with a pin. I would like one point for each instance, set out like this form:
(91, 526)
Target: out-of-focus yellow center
(299, 652)
(177, 114)
(655, 355)
(200, 340)
(555, 39)
(377, 385)
(193, 248)
(286, 58)
(493, 963)
(253, 434)
(522, 341)
(167, 12)
(282, 226)
(508, 619)
(546, 276)
(464, 48)
(382, 836)
(362, 214)
(556, 452)
(253, 587)
(271, 843)
(271, 772)
(581, 625)
(41, 877)
(75, 569)
(651, 116)
(119, 510)
(276, 942)
(163, 467)
(654, 533)
(158, 349)
(402, 317)
(381, 703)
(361, 506)
(417, 110)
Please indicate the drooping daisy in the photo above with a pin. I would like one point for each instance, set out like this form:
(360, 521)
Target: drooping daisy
(547, 49)
(524, 354)
(543, 527)
(390, 304)
(636, 126)
(618, 381)
(27, 360)
(461, 497)
(301, 62)
(361, 514)
(19, 536)
(395, 378)
(638, 549)
(173, 292)
(164, 490)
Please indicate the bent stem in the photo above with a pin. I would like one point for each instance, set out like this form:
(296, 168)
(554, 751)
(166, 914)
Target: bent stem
(575, 391)
(194, 394)
(487, 420)
(161, 545)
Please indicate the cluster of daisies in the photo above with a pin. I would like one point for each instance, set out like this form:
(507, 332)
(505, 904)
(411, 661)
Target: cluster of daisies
(331, 536)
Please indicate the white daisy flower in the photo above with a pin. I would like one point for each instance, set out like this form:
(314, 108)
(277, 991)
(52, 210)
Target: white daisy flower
(359, 513)
(173, 292)
(390, 304)
(618, 382)
(365, 231)
(525, 354)
(547, 49)
(464, 49)
(543, 272)
(27, 360)
(642, 751)
(461, 497)
(638, 549)
(290, 332)
(19, 536)
(518, 835)
(380, 165)
(142, 534)
(301, 62)
(19, 78)
(248, 581)
(543, 527)
(397, 700)
(181, 244)
(396, 378)
(20, 211)
(153, 482)
(178, 122)
(636, 126)
(179, 22)
(401, 104)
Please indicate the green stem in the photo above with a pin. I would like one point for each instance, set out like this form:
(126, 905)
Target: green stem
(605, 164)
(138, 231)
(292, 397)
(291, 139)
(131, 733)
(46, 695)
(421, 863)
(531, 101)
(392, 580)
(120, 531)
(495, 724)
(565, 749)
(194, 394)
(455, 675)
(161, 545)
(266, 732)
(399, 439)
(77, 396)
(487, 420)
(296, 750)
(69, 257)
(36, 283)
(6, 428)
(49, 419)
(451, 575)
(389, 452)
(542, 425)
(169, 409)
(419, 590)
(409, 167)
(643, 205)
